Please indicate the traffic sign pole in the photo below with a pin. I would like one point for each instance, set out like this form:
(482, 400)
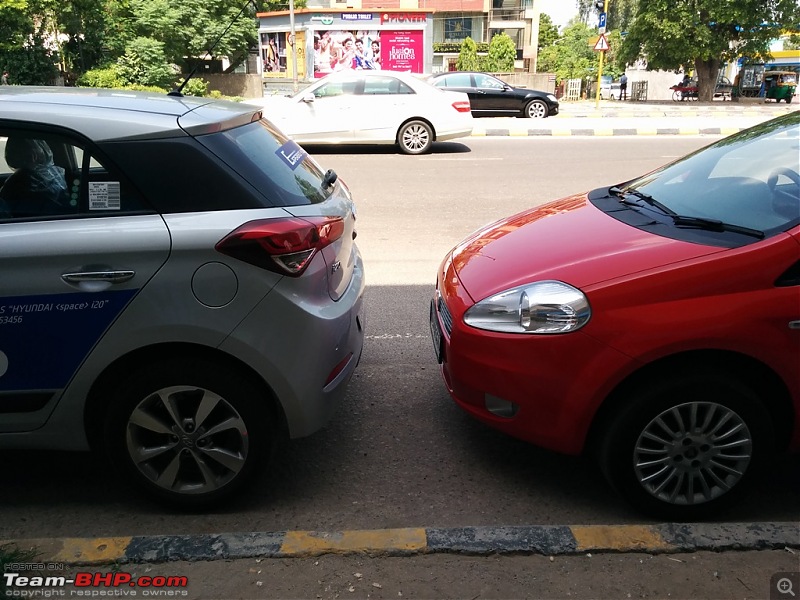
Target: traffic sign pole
(602, 57)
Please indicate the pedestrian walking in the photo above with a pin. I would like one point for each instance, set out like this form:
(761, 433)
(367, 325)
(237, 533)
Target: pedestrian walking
(4, 78)
(623, 87)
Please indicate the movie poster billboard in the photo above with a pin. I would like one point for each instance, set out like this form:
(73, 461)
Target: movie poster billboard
(276, 55)
(339, 50)
(402, 50)
(271, 47)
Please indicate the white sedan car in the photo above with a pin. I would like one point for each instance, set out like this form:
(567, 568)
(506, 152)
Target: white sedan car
(371, 107)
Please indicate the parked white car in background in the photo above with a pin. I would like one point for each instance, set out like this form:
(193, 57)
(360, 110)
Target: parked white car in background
(609, 91)
(371, 107)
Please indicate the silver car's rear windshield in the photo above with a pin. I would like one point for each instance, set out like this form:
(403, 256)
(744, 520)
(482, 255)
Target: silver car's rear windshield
(270, 162)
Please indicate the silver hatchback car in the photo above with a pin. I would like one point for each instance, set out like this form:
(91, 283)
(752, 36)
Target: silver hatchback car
(179, 285)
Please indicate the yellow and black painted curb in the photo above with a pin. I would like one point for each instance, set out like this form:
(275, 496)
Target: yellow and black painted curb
(600, 131)
(545, 540)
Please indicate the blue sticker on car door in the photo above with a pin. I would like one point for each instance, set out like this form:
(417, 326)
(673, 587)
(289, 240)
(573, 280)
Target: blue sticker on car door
(45, 338)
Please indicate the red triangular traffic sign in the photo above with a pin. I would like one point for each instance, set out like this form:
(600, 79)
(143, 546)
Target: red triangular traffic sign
(602, 43)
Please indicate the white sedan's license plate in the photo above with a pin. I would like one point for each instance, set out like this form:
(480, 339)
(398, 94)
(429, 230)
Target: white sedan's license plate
(436, 334)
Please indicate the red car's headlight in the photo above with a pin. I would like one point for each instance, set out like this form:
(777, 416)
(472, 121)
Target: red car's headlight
(540, 307)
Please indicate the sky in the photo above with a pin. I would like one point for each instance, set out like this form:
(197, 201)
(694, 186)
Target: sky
(560, 11)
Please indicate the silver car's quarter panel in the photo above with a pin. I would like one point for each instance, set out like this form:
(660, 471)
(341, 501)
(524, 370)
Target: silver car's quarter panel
(301, 320)
(314, 336)
(341, 255)
(166, 311)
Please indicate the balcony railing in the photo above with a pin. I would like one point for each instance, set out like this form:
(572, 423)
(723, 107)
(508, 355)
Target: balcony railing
(451, 47)
(507, 14)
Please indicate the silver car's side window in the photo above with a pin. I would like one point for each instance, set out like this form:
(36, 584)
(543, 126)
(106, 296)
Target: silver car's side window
(46, 176)
(34, 180)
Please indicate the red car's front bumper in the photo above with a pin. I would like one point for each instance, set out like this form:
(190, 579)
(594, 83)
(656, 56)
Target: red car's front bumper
(556, 382)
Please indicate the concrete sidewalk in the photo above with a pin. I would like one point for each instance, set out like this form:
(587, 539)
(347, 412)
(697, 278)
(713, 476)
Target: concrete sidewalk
(613, 118)
(666, 108)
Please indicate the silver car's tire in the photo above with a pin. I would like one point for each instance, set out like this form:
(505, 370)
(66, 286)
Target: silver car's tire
(686, 446)
(188, 432)
(536, 109)
(415, 137)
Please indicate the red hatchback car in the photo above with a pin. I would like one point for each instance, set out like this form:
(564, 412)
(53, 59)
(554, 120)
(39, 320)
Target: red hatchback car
(654, 325)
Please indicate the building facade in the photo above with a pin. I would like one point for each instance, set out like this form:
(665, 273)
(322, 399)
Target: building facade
(388, 34)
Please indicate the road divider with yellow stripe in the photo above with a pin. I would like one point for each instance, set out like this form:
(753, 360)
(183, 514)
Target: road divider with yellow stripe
(544, 539)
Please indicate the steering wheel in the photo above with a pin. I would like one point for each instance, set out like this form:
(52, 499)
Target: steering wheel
(785, 202)
(772, 180)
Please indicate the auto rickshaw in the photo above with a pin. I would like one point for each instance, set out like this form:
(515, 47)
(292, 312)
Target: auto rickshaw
(780, 85)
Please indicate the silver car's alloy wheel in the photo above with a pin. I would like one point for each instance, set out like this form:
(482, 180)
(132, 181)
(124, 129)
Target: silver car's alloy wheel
(415, 137)
(692, 453)
(187, 440)
(536, 109)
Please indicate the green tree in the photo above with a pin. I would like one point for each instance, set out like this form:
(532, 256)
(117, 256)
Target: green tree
(278, 5)
(468, 59)
(586, 10)
(613, 65)
(144, 63)
(87, 27)
(705, 34)
(188, 29)
(572, 57)
(80, 35)
(25, 30)
(619, 14)
(548, 33)
(501, 55)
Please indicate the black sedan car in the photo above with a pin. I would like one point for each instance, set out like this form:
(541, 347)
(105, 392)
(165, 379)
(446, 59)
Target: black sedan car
(492, 97)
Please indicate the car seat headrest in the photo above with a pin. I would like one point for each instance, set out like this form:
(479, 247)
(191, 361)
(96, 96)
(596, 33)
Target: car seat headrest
(27, 152)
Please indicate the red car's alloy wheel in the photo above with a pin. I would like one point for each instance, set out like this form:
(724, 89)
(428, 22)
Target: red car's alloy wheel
(680, 447)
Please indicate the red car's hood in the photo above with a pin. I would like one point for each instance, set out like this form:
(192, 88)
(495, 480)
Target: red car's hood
(569, 240)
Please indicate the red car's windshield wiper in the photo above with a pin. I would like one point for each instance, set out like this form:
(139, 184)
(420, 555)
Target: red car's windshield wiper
(684, 220)
(623, 194)
(715, 225)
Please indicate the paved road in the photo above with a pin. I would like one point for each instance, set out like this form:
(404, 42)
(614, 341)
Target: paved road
(401, 470)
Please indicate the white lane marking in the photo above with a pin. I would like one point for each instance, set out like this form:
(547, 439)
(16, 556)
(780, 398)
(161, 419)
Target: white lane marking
(397, 336)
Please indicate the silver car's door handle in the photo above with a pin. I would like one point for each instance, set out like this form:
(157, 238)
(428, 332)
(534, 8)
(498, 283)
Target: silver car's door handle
(99, 276)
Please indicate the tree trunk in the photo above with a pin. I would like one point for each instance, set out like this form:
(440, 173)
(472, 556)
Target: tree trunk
(707, 73)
